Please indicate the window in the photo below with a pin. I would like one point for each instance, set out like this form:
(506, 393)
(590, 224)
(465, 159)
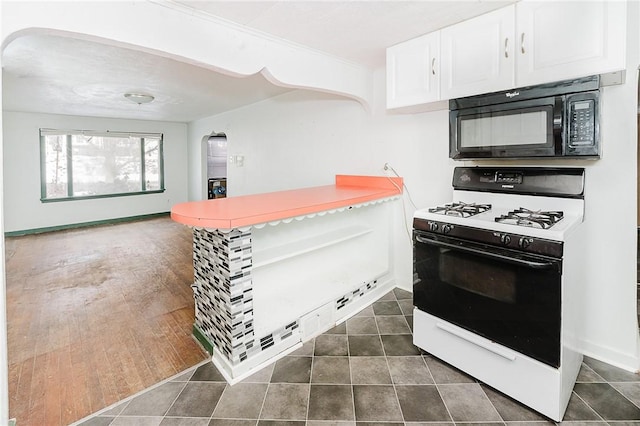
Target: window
(87, 164)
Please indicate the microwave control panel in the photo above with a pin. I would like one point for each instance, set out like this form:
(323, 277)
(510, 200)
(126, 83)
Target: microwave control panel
(582, 123)
(582, 129)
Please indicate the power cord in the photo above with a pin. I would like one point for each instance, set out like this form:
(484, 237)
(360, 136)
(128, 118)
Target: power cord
(387, 167)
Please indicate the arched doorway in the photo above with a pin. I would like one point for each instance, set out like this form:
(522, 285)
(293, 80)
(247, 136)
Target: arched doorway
(215, 170)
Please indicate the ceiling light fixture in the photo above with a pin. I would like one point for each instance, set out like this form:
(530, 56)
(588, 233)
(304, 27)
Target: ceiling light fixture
(139, 98)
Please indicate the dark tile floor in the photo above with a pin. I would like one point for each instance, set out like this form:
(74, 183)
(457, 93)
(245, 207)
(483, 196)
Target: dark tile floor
(366, 372)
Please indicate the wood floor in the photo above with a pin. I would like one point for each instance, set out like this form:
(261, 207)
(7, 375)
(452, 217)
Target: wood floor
(95, 315)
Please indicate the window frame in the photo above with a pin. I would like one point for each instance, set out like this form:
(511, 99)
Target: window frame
(43, 132)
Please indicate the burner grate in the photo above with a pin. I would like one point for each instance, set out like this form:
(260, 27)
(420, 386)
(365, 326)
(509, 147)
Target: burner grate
(461, 209)
(531, 218)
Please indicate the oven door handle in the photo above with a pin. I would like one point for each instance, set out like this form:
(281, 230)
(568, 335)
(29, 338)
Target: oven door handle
(521, 262)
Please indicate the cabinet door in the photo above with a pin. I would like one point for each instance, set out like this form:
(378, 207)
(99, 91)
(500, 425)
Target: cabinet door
(412, 72)
(477, 55)
(563, 40)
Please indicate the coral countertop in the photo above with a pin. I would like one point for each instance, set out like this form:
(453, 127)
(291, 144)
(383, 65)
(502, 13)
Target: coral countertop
(247, 210)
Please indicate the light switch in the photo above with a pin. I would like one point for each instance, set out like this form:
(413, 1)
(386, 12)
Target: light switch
(238, 160)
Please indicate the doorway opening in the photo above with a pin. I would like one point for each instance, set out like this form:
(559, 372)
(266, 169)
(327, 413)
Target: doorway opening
(217, 166)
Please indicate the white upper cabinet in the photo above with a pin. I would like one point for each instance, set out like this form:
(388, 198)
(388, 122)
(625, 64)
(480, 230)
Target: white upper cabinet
(530, 42)
(413, 72)
(477, 55)
(563, 40)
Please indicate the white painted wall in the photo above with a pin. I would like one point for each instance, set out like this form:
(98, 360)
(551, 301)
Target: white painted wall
(23, 208)
(305, 138)
(611, 326)
(611, 220)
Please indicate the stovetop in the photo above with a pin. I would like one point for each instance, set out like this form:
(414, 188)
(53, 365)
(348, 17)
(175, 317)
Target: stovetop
(521, 216)
(563, 214)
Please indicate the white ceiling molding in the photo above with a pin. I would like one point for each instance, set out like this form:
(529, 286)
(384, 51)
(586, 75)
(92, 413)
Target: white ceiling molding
(194, 38)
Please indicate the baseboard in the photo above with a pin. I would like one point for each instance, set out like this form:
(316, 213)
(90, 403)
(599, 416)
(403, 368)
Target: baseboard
(200, 337)
(625, 361)
(84, 224)
(235, 374)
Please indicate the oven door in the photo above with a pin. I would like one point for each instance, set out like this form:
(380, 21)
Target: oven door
(506, 296)
(530, 128)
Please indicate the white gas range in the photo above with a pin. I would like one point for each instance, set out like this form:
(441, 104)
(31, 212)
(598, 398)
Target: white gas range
(496, 280)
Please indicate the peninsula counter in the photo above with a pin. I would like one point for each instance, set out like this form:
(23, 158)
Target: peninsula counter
(274, 270)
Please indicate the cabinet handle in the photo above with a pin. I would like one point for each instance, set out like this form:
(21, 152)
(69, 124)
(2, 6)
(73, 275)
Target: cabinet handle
(522, 42)
(433, 66)
(506, 47)
(476, 340)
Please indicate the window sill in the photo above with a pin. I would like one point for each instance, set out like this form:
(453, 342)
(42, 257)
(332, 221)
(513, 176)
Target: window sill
(91, 197)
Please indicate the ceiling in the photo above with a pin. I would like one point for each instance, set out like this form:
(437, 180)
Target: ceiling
(59, 75)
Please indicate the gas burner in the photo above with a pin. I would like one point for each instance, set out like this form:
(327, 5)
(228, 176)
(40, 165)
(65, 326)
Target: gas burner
(461, 209)
(531, 218)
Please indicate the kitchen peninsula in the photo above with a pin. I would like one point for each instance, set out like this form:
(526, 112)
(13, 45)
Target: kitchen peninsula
(276, 269)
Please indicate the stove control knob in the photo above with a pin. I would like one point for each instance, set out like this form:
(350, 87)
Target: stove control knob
(433, 226)
(446, 228)
(505, 239)
(525, 242)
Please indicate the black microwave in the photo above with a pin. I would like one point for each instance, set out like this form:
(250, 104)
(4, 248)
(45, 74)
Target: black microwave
(559, 119)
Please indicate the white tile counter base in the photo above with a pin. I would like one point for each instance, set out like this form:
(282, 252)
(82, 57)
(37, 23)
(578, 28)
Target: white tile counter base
(236, 373)
(260, 292)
